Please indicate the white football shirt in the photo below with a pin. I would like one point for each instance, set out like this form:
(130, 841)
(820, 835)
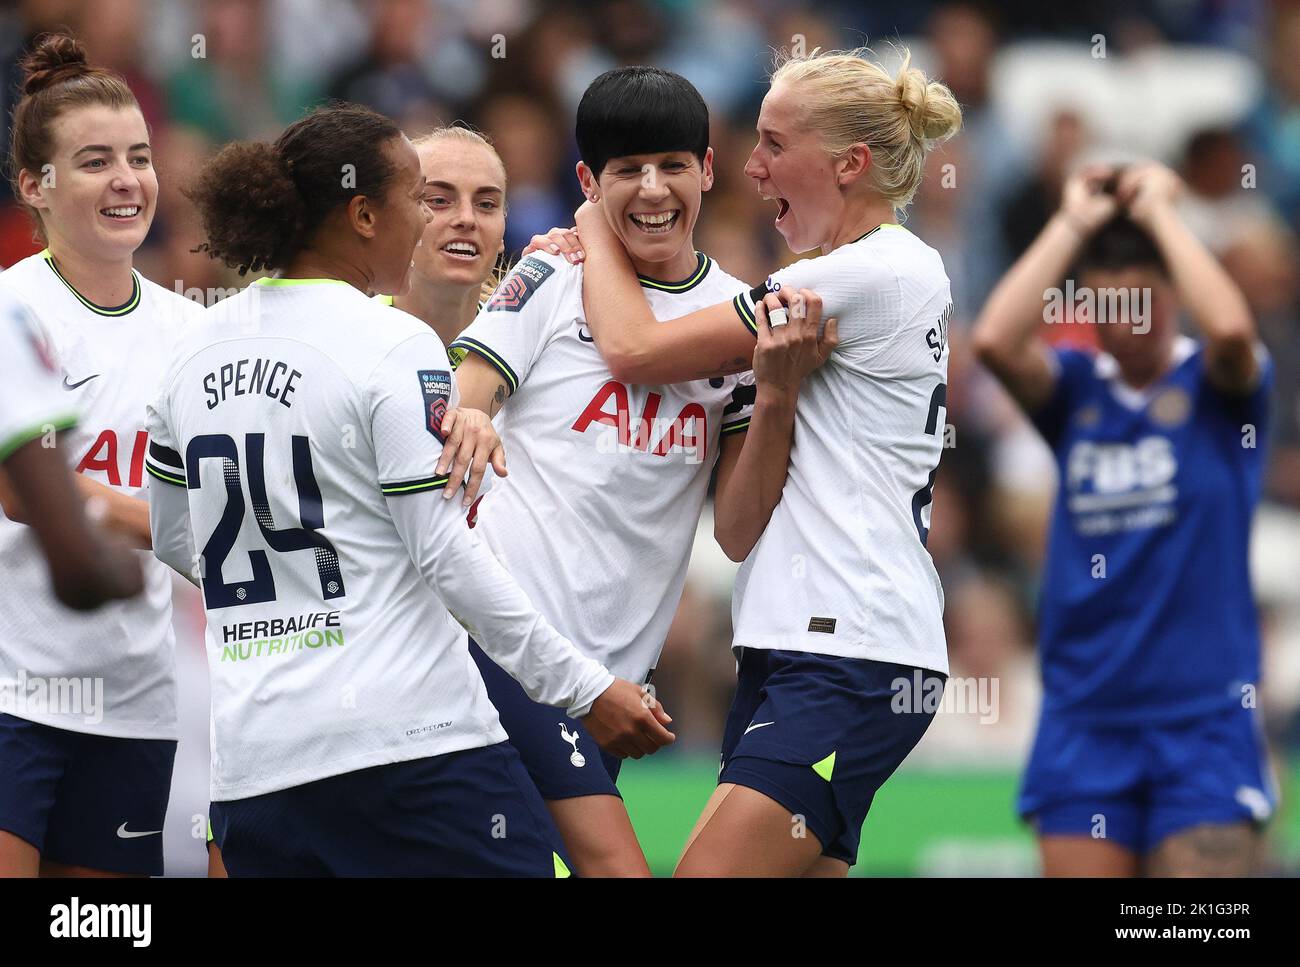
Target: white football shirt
(842, 567)
(294, 446)
(111, 359)
(607, 480)
(32, 404)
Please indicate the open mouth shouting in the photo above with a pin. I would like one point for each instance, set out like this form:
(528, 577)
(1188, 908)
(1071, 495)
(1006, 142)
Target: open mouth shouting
(461, 250)
(655, 223)
(782, 206)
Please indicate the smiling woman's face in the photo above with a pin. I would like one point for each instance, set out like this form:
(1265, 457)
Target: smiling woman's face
(792, 168)
(652, 201)
(98, 195)
(466, 193)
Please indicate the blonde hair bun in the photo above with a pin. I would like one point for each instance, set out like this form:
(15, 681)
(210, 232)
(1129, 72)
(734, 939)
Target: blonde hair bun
(847, 98)
(932, 112)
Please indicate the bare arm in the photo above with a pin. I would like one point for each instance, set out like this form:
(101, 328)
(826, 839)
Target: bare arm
(127, 517)
(471, 441)
(86, 570)
(1008, 337)
(638, 349)
(753, 466)
(1215, 303)
(481, 387)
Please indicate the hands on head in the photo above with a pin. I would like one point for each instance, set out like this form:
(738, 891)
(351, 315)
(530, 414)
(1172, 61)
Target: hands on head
(1095, 193)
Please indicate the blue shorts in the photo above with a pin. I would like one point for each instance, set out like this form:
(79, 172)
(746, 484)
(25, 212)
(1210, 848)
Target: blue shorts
(1137, 785)
(467, 813)
(558, 752)
(821, 734)
(86, 800)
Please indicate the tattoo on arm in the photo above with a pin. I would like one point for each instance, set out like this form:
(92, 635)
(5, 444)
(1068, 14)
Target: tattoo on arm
(728, 366)
(499, 398)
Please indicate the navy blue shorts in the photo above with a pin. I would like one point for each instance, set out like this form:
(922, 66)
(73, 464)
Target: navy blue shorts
(1138, 785)
(467, 813)
(86, 800)
(558, 752)
(821, 734)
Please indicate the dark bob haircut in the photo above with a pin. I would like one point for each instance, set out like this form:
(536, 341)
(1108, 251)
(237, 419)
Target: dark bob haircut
(640, 110)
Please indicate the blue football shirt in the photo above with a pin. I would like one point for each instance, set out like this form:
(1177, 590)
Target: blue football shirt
(1146, 612)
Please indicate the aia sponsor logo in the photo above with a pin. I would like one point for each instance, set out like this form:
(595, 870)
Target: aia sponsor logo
(649, 433)
(104, 456)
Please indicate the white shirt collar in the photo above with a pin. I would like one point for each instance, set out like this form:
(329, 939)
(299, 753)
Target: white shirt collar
(1107, 367)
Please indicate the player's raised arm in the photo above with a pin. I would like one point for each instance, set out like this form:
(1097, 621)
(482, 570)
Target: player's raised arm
(707, 343)
(1008, 337)
(1148, 192)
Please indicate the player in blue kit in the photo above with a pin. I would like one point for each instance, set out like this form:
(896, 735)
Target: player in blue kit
(1148, 757)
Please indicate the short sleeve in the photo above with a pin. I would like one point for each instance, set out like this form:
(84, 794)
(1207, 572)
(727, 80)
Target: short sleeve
(32, 403)
(514, 326)
(407, 396)
(862, 293)
(736, 414)
(1250, 408)
(170, 526)
(163, 461)
(1073, 369)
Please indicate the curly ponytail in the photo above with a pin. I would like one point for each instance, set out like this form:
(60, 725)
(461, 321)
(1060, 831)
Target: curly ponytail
(262, 203)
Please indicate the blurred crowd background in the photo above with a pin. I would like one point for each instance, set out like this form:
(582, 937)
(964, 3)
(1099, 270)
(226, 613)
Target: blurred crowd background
(1211, 87)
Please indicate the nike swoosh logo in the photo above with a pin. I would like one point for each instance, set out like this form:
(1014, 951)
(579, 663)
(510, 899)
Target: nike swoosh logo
(582, 329)
(757, 725)
(67, 385)
(123, 834)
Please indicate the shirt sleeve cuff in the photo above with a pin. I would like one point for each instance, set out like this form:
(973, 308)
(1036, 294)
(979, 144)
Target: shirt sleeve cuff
(586, 697)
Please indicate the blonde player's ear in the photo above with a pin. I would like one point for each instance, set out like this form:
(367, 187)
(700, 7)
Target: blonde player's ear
(854, 164)
(706, 182)
(587, 181)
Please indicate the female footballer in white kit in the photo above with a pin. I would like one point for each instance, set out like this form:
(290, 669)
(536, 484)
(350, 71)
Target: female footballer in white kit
(588, 494)
(86, 787)
(455, 265)
(838, 609)
(458, 260)
(296, 436)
